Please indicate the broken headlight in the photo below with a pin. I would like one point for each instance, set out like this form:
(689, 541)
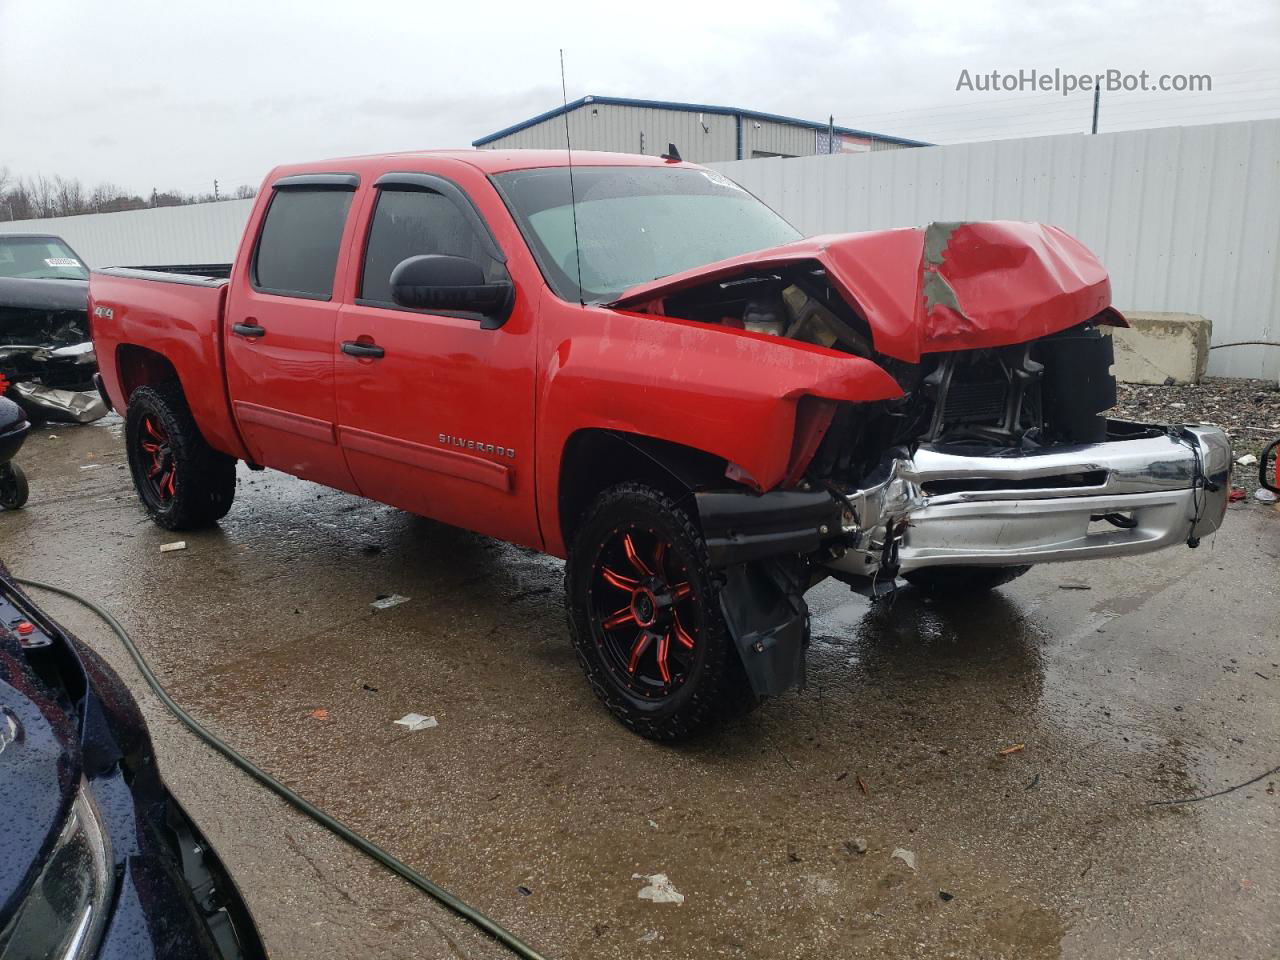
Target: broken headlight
(65, 911)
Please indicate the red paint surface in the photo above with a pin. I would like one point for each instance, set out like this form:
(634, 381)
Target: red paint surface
(470, 426)
(1013, 282)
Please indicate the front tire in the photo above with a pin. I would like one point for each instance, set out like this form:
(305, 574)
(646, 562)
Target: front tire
(13, 487)
(957, 582)
(183, 482)
(644, 615)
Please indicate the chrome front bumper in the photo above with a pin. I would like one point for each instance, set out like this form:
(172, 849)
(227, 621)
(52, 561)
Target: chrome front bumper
(943, 508)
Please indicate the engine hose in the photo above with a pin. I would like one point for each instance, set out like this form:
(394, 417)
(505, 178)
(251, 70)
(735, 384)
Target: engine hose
(367, 847)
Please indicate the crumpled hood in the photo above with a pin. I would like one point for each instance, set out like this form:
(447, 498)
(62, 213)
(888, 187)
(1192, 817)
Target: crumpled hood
(948, 286)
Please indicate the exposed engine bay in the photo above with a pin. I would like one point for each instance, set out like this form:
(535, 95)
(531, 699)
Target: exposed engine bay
(47, 360)
(1026, 396)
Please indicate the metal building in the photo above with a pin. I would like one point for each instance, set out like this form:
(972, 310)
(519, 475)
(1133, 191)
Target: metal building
(701, 132)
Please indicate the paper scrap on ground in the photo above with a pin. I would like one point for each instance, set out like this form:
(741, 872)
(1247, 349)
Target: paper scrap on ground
(416, 721)
(385, 603)
(906, 856)
(658, 889)
(170, 547)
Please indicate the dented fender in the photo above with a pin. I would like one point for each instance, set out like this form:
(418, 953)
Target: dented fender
(732, 394)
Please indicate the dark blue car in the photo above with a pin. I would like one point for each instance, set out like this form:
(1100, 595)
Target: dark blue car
(97, 858)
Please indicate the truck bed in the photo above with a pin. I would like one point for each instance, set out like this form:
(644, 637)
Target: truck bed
(179, 317)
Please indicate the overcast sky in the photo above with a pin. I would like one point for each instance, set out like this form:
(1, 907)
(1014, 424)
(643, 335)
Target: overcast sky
(173, 94)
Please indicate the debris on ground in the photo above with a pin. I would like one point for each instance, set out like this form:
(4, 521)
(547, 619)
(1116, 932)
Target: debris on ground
(416, 721)
(1248, 460)
(857, 845)
(906, 856)
(658, 889)
(946, 897)
(649, 936)
(524, 891)
(1016, 748)
(170, 547)
(385, 601)
(862, 785)
(320, 714)
(1262, 495)
(1248, 410)
(1236, 495)
(1074, 586)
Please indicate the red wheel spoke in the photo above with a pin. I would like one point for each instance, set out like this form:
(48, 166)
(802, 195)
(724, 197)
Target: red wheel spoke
(155, 470)
(150, 428)
(682, 637)
(615, 579)
(664, 643)
(618, 619)
(682, 590)
(630, 547)
(171, 481)
(637, 649)
(659, 554)
(149, 447)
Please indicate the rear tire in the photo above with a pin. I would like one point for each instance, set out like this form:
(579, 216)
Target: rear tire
(183, 482)
(644, 615)
(13, 487)
(956, 582)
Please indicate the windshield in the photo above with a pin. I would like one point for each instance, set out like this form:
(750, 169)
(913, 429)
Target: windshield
(635, 224)
(39, 258)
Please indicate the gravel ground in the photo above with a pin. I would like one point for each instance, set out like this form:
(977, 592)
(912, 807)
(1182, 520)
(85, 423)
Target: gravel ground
(1249, 410)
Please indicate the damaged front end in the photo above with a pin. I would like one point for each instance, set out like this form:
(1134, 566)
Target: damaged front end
(47, 359)
(998, 453)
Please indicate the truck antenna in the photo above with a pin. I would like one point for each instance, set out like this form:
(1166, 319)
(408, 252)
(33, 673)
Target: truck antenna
(573, 201)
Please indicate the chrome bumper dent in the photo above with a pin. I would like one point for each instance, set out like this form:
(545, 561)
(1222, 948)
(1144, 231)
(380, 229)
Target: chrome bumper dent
(941, 508)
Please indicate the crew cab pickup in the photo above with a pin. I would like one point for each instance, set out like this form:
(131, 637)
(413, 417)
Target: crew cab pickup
(636, 365)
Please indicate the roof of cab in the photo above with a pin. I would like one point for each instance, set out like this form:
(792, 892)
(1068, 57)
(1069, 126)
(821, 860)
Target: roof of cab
(486, 161)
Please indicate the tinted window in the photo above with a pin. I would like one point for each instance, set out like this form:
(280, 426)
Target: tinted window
(298, 249)
(407, 223)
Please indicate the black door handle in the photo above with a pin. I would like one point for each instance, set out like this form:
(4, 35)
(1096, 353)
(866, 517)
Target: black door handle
(251, 330)
(355, 348)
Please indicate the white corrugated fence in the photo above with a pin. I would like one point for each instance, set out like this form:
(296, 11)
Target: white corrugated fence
(1187, 219)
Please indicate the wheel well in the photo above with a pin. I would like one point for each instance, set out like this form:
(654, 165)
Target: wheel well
(139, 367)
(595, 460)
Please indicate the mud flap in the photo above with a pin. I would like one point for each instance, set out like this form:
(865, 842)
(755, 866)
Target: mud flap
(769, 622)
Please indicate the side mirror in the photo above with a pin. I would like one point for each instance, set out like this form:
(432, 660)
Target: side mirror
(439, 282)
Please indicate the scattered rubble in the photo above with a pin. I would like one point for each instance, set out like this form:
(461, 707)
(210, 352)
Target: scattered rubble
(1016, 748)
(416, 721)
(385, 601)
(170, 547)
(658, 889)
(906, 856)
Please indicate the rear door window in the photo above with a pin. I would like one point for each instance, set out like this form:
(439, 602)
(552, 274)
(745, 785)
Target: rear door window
(407, 223)
(299, 244)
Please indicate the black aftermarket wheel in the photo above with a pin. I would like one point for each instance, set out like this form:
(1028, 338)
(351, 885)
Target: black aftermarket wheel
(13, 487)
(183, 482)
(645, 616)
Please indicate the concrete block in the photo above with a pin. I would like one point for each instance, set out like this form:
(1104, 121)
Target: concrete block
(1158, 347)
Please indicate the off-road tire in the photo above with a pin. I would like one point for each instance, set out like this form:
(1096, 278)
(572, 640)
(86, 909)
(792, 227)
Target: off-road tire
(957, 582)
(13, 487)
(205, 480)
(716, 686)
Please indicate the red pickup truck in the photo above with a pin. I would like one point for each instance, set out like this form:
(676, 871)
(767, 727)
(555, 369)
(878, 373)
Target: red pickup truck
(636, 365)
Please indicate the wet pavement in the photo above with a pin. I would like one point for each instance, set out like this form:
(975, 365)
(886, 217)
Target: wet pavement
(1159, 681)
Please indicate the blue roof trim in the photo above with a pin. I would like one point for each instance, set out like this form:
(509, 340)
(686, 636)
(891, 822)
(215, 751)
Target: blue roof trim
(688, 108)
